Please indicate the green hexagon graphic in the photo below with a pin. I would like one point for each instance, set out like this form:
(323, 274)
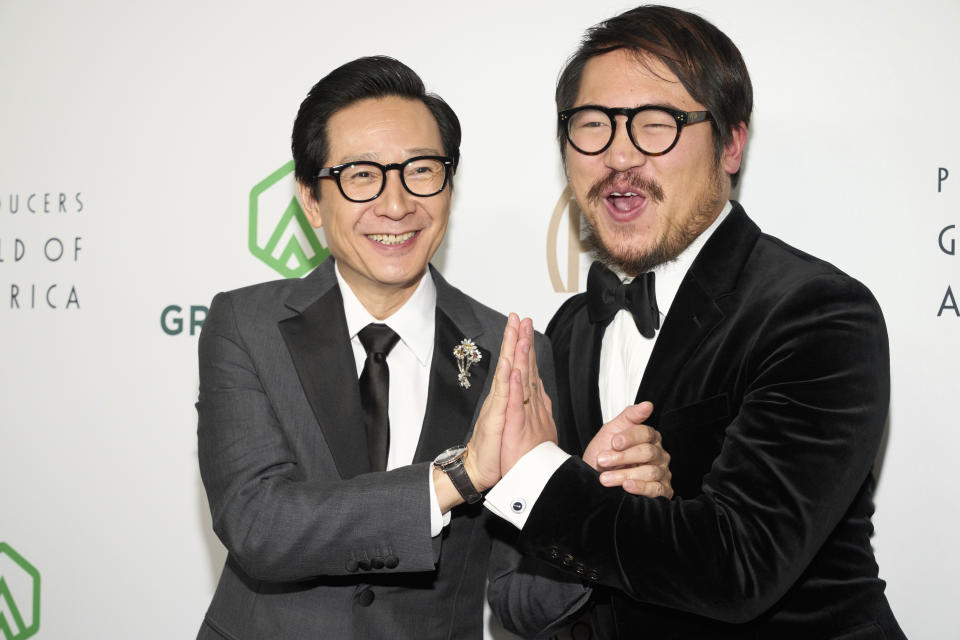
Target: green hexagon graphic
(280, 234)
(19, 596)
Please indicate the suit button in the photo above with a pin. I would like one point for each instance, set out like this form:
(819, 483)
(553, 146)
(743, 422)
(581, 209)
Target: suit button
(580, 568)
(365, 598)
(365, 565)
(377, 563)
(554, 553)
(352, 566)
(391, 562)
(594, 575)
(567, 560)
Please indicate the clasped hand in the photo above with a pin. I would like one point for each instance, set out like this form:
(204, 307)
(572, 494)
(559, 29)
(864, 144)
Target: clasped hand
(517, 416)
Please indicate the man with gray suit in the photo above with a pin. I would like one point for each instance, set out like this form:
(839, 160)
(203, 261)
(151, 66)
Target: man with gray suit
(348, 506)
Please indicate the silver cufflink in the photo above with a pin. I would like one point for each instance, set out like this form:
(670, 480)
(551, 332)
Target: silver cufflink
(518, 506)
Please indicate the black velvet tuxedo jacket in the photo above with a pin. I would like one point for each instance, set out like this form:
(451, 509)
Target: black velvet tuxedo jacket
(770, 382)
(318, 545)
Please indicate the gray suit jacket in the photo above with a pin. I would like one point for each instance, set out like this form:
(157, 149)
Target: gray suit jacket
(319, 546)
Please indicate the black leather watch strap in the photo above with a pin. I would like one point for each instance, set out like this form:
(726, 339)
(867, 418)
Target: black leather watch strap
(451, 463)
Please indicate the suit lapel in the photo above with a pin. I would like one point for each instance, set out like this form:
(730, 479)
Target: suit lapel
(451, 408)
(695, 311)
(585, 341)
(319, 345)
(692, 316)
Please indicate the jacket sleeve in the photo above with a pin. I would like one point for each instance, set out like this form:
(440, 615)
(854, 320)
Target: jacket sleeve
(277, 520)
(796, 453)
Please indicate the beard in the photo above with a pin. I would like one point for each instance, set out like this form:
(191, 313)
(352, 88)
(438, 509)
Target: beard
(679, 231)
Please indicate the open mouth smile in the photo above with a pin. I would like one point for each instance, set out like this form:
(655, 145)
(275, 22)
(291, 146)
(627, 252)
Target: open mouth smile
(391, 238)
(625, 201)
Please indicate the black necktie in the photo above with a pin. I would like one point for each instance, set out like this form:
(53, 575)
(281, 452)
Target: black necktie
(606, 295)
(378, 340)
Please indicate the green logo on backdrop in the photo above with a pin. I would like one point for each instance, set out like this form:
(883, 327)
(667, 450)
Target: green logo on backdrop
(19, 596)
(280, 234)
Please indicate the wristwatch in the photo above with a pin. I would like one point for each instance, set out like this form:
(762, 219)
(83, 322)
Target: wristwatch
(451, 463)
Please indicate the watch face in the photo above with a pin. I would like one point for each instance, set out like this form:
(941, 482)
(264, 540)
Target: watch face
(449, 455)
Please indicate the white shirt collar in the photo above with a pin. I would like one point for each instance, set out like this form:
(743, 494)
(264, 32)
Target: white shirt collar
(409, 321)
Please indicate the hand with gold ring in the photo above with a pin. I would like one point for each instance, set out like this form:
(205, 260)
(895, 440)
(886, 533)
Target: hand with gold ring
(529, 417)
(483, 450)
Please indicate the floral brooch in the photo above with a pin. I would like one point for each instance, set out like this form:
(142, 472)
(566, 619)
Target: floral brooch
(466, 354)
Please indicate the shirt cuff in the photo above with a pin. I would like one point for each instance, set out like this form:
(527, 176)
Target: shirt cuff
(514, 496)
(437, 520)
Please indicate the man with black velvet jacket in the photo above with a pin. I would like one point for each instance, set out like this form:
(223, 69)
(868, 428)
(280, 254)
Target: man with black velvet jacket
(767, 369)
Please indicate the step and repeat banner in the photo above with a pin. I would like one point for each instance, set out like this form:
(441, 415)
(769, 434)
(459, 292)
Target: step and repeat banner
(145, 166)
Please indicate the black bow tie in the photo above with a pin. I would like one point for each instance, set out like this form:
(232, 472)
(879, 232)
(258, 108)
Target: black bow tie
(606, 295)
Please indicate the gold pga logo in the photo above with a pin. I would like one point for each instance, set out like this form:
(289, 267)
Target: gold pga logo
(564, 230)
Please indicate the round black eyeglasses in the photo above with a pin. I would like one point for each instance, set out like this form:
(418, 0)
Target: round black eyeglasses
(654, 130)
(364, 181)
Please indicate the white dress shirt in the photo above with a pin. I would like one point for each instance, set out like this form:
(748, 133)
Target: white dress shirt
(624, 354)
(409, 364)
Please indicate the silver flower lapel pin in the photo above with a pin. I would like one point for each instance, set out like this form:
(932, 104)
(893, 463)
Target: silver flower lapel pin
(466, 354)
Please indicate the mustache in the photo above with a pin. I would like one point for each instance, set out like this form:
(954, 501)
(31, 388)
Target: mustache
(632, 179)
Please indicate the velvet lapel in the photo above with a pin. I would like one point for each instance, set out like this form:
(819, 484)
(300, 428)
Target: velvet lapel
(319, 345)
(695, 312)
(585, 341)
(450, 408)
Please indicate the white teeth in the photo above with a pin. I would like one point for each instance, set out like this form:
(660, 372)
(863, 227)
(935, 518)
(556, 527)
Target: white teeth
(389, 238)
(618, 194)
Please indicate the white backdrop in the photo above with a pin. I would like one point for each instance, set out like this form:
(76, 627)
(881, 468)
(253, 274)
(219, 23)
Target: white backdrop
(156, 120)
